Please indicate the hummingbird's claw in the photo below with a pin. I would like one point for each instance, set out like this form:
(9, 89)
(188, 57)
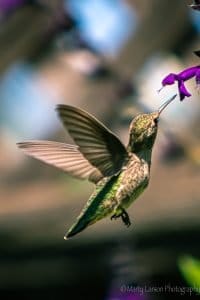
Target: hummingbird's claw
(125, 218)
(124, 215)
(115, 216)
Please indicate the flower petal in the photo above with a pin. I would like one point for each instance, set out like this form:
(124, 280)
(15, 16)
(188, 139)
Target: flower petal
(197, 77)
(169, 79)
(188, 73)
(183, 92)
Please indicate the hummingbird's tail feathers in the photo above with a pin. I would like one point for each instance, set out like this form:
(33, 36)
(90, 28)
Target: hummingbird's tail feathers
(77, 227)
(94, 210)
(88, 216)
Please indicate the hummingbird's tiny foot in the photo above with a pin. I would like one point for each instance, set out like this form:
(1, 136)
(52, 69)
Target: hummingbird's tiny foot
(125, 218)
(124, 215)
(114, 217)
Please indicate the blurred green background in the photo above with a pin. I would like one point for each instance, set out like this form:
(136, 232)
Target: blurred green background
(108, 57)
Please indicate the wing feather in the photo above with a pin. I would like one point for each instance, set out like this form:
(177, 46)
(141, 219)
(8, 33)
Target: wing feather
(63, 156)
(96, 142)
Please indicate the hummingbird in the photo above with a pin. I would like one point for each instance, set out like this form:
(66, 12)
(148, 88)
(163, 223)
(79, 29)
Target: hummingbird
(120, 173)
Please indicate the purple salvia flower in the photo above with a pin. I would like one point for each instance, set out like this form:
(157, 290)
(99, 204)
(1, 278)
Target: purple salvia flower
(183, 92)
(181, 78)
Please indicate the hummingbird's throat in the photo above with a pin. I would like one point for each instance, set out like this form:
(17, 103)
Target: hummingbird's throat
(145, 155)
(142, 148)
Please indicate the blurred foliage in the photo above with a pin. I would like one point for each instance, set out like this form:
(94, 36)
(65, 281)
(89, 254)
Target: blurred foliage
(190, 269)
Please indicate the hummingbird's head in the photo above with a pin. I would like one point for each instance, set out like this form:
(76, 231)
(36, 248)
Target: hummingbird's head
(143, 129)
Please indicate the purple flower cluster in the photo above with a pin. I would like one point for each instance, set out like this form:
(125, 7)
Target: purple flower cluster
(181, 78)
(187, 73)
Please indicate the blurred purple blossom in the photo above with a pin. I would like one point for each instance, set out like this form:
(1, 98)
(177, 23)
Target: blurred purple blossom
(181, 78)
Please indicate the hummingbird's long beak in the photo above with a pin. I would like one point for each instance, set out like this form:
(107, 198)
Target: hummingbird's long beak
(165, 104)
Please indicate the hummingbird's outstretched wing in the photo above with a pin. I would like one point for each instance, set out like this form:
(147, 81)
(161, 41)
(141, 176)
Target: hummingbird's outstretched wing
(63, 156)
(96, 142)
